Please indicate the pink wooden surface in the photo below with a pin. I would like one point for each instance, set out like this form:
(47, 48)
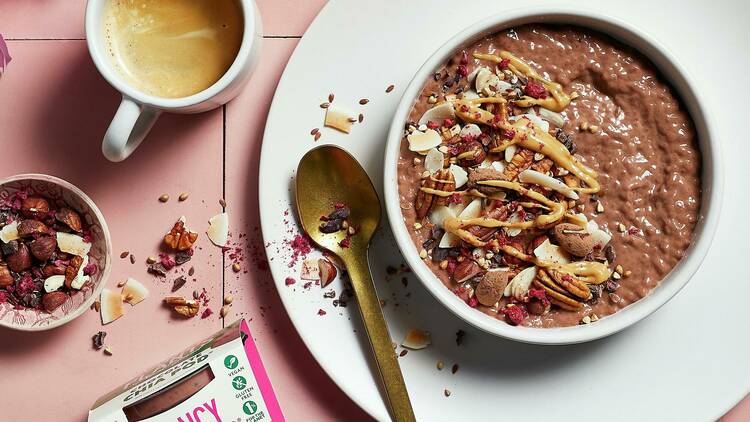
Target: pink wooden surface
(54, 108)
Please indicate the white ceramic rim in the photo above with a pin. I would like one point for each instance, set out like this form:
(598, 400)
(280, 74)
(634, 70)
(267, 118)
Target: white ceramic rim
(712, 175)
(105, 268)
(93, 24)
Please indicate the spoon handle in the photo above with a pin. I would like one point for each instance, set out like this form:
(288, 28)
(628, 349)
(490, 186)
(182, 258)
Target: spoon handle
(380, 339)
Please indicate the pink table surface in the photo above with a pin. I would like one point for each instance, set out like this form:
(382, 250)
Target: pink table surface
(54, 108)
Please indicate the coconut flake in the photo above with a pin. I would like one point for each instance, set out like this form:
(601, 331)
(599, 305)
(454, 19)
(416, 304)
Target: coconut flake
(601, 238)
(434, 160)
(53, 283)
(514, 218)
(110, 306)
(551, 253)
(470, 131)
(310, 269)
(438, 113)
(556, 119)
(416, 339)
(439, 214)
(473, 210)
(519, 285)
(72, 244)
(510, 152)
(533, 118)
(541, 179)
(339, 118)
(134, 292)
(460, 175)
(423, 141)
(9, 232)
(218, 229)
(470, 94)
(486, 82)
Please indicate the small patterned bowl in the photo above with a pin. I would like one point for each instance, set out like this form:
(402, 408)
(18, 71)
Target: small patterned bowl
(62, 192)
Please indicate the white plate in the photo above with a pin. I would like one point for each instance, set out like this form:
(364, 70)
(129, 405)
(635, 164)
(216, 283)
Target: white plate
(686, 362)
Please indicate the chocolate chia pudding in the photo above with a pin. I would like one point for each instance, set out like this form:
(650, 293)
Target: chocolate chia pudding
(549, 176)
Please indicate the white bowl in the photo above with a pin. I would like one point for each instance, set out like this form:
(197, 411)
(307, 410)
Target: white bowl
(711, 176)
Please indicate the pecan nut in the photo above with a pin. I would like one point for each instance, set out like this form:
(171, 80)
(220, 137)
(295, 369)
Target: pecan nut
(179, 237)
(423, 202)
(521, 161)
(186, 308)
(446, 183)
(72, 271)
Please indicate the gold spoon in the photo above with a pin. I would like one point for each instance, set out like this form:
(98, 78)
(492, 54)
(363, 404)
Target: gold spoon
(327, 176)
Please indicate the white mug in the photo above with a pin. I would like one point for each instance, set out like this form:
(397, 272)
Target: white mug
(138, 110)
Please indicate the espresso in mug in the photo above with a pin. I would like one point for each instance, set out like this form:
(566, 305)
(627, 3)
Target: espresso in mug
(173, 48)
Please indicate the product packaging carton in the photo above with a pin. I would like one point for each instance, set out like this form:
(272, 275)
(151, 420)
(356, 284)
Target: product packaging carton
(220, 379)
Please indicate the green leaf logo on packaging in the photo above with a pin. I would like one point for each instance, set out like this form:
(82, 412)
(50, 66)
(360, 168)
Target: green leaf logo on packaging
(231, 362)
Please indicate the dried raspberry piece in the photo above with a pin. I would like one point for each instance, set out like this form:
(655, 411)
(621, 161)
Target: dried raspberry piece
(167, 261)
(321, 312)
(433, 124)
(448, 122)
(455, 198)
(463, 70)
(473, 302)
(345, 242)
(504, 63)
(464, 57)
(535, 90)
(207, 313)
(515, 314)
(90, 269)
(509, 134)
(289, 281)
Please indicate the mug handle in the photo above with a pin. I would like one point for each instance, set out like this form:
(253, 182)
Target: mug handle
(129, 127)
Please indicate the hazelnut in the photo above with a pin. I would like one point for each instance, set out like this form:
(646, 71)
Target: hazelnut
(6, 279)
(490, 288)
(55, 268)
(70, 218)
(53, 300)
(482, 174)
(470, 154)
(574, 239)
(28, 228)
(21, 260)
(43, 248)
(34, 207)
(72, 271)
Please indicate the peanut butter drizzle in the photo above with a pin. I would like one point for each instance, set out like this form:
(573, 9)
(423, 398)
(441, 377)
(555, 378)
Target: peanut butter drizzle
(589, 272)
(559, 99)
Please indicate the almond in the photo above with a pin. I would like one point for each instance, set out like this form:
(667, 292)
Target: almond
(70, 218)
(28, 228)
(466, 270)
(327, 271)
(574, 239)
(34, 207)
(490, 289)
(55, 268)
(53, 300)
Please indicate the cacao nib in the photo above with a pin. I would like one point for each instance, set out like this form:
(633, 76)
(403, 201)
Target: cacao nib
(98, 339)
(178, 283)
(182, 257)
(331, 226)
(566, 139)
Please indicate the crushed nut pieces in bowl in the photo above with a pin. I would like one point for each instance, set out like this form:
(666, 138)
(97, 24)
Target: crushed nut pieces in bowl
(548, 176)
